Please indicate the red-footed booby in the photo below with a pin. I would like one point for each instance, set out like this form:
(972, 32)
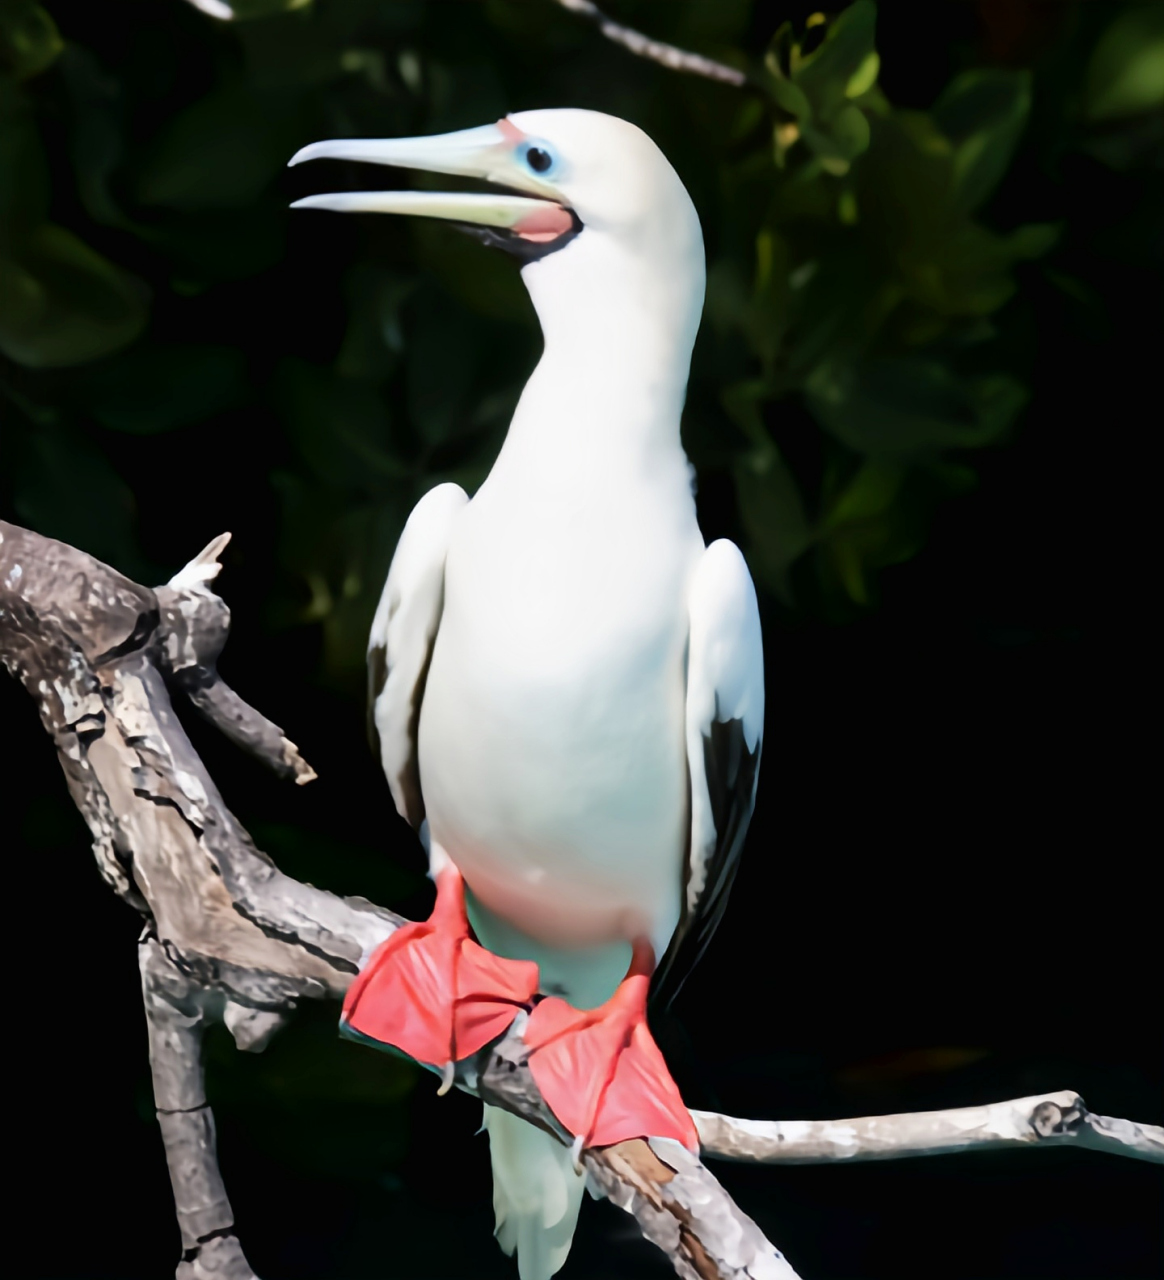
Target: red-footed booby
(566, 684)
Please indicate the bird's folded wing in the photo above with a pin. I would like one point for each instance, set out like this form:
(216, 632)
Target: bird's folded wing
(725, 722)
(400, 644)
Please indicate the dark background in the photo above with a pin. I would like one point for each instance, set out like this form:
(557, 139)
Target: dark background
(948, 895)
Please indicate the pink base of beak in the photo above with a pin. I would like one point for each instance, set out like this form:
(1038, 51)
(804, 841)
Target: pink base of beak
(544, 225)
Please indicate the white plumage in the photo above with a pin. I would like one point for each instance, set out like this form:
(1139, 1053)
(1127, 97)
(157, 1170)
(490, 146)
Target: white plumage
(568, 685)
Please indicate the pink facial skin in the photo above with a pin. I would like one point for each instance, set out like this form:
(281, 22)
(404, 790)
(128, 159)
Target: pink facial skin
(509, 131)
(543, 225)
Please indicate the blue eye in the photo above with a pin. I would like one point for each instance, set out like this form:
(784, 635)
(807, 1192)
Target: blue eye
(539, 157)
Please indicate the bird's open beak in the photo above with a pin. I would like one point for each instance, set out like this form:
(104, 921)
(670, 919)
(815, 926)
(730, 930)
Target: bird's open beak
(529, 225)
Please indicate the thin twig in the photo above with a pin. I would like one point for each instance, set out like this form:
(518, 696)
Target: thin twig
(644, 47)
(1046, 1120)
(667, 55)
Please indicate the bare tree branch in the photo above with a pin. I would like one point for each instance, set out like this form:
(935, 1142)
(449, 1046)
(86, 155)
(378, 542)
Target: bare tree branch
(196, 624)
(644, 47)
(1047, 1120)
(228, 937)
(668, 55)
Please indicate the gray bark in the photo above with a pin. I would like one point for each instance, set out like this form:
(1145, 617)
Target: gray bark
(176, 1018)
(228, 936)
(1047, 1120)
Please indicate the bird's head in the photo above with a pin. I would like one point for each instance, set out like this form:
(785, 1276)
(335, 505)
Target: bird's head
(561, 175)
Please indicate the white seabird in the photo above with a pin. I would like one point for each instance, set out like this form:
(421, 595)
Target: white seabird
(567, 683)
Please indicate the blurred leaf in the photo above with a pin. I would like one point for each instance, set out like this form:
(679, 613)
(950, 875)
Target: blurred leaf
(67, 489)
(966, 273)
(1129, 142)
(483, 279)
(24, 185)
(842, 59)
(443, 356)
(1032, 241)
(1126, 73)
(150, 389)
(878, 517)
(770, 501)
(850, 131)
(742, 402)
(860, 533)
(97, 133)
(773, 515)
(908, 404)
(833, 301)
(29, 40)
(374, 340)
(816, 87)
(766, 318)
(335, 549)
(983, 113)
(792, 98)
(864, 78)
(221, 152)
(870, 493)
(340, 426)
(62, 303)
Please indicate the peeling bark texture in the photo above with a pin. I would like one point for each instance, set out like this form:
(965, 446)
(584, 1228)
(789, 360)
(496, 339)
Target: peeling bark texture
(1048, 1120)
(681, 1208)
(176, 1017)
(229, 938)
(676, 1201)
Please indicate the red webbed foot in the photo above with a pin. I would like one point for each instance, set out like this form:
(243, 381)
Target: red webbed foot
(601, 1072)
(432, 992)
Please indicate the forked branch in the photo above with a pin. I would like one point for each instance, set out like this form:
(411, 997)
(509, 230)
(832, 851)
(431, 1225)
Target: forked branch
(229, 938)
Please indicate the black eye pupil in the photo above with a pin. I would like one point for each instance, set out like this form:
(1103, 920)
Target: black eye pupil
(539, 161)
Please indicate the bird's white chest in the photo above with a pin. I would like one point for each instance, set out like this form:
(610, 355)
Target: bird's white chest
(551, 735)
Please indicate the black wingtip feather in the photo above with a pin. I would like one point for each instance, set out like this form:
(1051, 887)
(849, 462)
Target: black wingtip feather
(731, 770)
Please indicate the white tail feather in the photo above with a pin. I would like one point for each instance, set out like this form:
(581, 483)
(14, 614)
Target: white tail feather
(536, 1194)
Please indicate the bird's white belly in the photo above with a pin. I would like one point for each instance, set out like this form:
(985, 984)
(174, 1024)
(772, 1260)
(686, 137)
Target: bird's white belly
(551, 736)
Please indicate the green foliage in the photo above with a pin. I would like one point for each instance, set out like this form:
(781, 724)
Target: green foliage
(150, 295)
(181, 354)
(1126, 75)
(871, 284)
(29, 40)
(61, 303)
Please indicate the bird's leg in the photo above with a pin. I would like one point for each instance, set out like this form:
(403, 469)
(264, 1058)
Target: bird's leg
(601, 1072)
(432, 992)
